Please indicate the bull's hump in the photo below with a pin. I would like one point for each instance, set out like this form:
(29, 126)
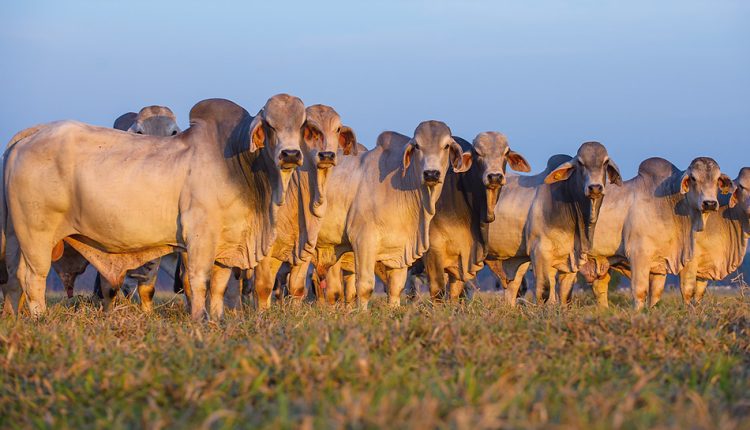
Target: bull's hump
(215, 110)
(554, 161)
(388, 140)
(656, 167)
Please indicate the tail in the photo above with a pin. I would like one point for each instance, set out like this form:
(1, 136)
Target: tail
(21, 135)
(178, 287)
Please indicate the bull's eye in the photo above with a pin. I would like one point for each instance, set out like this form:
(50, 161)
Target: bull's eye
(416, 146)
(138, 132)
(174, 132)
(338, 130)
(446, 146)
(692, 178)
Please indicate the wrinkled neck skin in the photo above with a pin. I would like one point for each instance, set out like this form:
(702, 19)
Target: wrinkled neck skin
(427, 201)
(481, 202)
(687, 220)
(260, 179)
(310, 183)
(586, 212)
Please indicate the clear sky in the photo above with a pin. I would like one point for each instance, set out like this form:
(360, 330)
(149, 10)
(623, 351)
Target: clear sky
(668, 78)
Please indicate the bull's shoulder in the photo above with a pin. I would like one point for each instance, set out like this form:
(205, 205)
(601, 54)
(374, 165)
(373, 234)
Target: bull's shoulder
(656, 168)
(125, 121)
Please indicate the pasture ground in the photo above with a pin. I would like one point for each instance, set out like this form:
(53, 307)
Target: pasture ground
(479, 365)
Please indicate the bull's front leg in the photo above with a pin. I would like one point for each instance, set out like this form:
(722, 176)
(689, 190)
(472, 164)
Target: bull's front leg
(350, 287)
(656, 285)
(334, 284)
(688, 280)
(545, 277)
(566, 281)
(435, 274)
(455, 289)
(700, 289)
(298, 281)
(601, 290)
(265, 274)
(364, 268)
(640, 280)
(200, 263)
(396, 282)
(219, 279)
(109, 292)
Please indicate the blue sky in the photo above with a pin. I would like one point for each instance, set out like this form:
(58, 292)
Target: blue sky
(646, 78)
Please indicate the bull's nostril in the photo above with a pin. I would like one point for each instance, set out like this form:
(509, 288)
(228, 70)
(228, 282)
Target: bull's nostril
(290, 154)
(710, 205)
(327, 156)
(431, 175)
(596, 189)
(495, 178)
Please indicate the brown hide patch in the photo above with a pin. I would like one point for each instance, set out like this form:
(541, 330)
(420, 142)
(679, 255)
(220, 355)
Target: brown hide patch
(113, 266)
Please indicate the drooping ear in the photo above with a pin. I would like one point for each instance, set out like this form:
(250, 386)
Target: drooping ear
(517, 162)
(685, 183)
(561, 173)
(725, 184)
(735, 197)
(348, 140)
(460, 160)
(313, 134)
(257, 134)
(613, 173)
(407, 156)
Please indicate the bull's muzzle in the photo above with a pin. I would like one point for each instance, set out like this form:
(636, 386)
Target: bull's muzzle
(710, 205)
(326, 159)
(595, 191)
(290, 158)
(495, 180)
(431, 177)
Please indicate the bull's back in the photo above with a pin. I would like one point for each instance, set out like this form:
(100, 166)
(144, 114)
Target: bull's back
(113, 187)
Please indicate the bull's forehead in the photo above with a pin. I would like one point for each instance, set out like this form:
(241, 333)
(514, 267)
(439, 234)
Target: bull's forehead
(155, 111)
(704, 169)
(592, 154)
(162, 123)
(744, 178)
(284, 111)
(325, 116)
(432, 133)
(491, 143)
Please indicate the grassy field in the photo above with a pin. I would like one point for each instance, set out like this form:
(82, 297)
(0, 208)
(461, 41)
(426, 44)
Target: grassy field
(479, 365)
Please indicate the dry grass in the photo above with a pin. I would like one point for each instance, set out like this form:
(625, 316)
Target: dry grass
(481, 365)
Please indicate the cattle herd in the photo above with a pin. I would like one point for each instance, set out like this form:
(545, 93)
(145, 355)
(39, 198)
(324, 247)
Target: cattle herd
(289, 195)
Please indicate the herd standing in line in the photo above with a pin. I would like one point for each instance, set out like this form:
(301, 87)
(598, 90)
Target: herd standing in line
(256, 202)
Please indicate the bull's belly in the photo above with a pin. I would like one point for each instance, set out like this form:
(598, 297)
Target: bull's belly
(127, 234)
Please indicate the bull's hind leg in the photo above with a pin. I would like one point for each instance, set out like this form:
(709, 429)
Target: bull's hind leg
(396, 282)
(656, 285)
(12, 288)
(545, 283)
(219, 279)
(32, 274)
